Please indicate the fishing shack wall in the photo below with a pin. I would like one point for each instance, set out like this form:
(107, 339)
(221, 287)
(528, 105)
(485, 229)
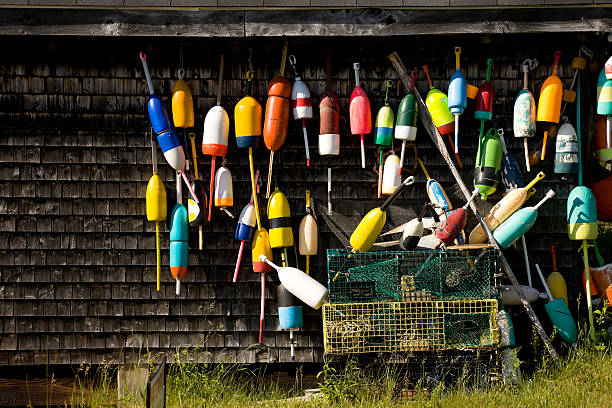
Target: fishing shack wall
(77, 254)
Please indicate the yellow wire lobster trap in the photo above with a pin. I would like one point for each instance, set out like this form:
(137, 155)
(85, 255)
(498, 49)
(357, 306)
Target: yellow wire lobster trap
(352, 328)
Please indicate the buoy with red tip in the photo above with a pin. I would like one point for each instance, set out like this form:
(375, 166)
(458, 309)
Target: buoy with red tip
(308, 234)
(224, 191)
(407, 117)
(360, 113)
(486, 159)
(384, 132)
(156, 206)
(197, 211)
(245, 230)
(216, 134)
(457, 95)
(261, 248)
(524, 119)
(166, 136)
(329, 126)
(437, 105)
(549, 105)
(276, 120)
(438, 197)
(455, 222)
(301, 104)
(179, 244)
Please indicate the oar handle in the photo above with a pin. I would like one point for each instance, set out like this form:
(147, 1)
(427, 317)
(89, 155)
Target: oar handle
(550, 194)
(153, 152)
(500, 133)
(220, 84)
(409, 180)
(537, 178)
(557, 58)
(489, 68)
(553, 253)
(284, 58)
(194, 155)
(423, 168)
(356, 67)
(143, 58)
(265, 259)
(474, 194)
(426, 70)
(457, 54)
(550, 298)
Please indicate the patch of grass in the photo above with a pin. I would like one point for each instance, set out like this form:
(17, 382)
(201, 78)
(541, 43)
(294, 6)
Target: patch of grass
(583, 380)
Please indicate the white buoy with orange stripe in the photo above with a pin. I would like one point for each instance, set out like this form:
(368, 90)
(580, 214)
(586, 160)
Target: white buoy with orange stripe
(216, 133)
(224, 191)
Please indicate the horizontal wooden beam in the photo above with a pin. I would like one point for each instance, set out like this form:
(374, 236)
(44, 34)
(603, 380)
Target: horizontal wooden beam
(349, 22)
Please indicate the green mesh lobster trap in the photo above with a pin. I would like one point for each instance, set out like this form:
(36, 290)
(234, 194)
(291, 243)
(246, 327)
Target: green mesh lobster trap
(352, 328)
(388, 276)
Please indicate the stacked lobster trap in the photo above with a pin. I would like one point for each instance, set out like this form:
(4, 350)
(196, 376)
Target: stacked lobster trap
(411, 301)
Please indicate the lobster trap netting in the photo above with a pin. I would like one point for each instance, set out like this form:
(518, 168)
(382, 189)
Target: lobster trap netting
(412, 275)
(352, 328)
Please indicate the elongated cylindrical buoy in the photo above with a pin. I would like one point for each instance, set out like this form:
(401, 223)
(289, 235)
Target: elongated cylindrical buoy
(524, 118)
(488, 164)
(457, 95)
(407, 117)
(302, 286)
(549, 104)
(391, 175)
(179, 244)
(279, 217)
(360, 113)
(224, 191)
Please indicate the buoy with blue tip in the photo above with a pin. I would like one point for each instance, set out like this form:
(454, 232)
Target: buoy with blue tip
(510, 170)
(384, 132)
(457, 95)
(290, 314)
(519, 223)
(549, 104)
(559, 314)
(157, 209)
(166, 136)
(407, 117)
(524, 118)
(216, 134)
(245, 230)
(301, 104)
(360, 113)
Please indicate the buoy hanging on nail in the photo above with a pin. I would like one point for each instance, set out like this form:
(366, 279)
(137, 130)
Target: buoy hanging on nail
(216, 134)
(360, 113)
(524, 118)
(224, 191)
(301, 104)
(407, 117)
(549, 104)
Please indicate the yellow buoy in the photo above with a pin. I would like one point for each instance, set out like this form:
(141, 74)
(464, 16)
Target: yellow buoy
(182, 105)
(279, 216)
(156, 205)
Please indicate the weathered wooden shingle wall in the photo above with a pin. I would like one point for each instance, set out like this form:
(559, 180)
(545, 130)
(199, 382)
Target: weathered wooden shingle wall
(77, 257)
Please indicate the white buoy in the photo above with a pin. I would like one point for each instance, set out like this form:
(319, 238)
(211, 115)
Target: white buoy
(300, 285)
(224, 192)
(391, 175)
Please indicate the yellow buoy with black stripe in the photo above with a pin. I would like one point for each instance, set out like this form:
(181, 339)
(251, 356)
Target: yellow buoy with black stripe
(279, 217)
